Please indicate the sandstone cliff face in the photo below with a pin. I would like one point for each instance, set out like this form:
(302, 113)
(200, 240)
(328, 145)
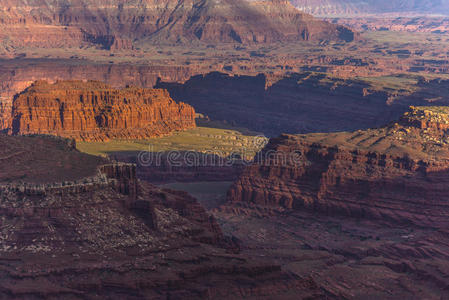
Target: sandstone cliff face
(115, 23)
(92, 111)
(398, 173)
(16, 76)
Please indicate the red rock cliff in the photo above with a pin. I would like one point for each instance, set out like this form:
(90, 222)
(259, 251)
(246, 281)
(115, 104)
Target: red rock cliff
(113, 23)
(94, 111)
(399, 173)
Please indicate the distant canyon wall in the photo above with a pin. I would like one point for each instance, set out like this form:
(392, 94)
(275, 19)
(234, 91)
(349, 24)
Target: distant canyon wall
(117, 24)
(299, 103)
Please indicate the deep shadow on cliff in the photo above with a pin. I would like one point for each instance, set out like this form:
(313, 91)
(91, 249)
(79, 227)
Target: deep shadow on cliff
(298, 103)
(182, 166)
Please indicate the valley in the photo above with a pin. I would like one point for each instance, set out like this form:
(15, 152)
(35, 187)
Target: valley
(224, 149)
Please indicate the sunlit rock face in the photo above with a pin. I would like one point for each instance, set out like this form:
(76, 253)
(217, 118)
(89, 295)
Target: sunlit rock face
(93, 111)
(115, 24)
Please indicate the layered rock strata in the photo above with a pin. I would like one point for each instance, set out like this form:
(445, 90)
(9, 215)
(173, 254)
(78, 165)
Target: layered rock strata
(397, 173)
(17, 75)
(93, 111)
(105, 234)
(115, 24)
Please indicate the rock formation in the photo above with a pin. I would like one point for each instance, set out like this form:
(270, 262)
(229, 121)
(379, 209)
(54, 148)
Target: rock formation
(114, 24)
(397, 173)
(17, 75)
(93, 111)
(102, 233)
(299, 103)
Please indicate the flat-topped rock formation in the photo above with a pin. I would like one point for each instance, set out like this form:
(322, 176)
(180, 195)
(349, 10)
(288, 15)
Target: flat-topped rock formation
(93, 111)
(397, 173)
(103, 233)
(117, 25)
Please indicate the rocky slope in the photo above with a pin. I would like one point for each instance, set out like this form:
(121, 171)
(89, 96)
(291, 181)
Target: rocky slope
(118, 24)
(397, 173)
(93, 111)
(102, 233)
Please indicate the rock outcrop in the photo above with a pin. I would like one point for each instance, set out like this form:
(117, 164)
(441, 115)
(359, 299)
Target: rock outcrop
(93, 111)
(17, 75)
(397, 173)
(114, 24)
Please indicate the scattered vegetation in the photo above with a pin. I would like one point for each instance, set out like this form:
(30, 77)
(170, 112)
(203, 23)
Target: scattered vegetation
(201, 139)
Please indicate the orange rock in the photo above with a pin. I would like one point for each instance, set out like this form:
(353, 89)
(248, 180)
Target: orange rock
(94, 111)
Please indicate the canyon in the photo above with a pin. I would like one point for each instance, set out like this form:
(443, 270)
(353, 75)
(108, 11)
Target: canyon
(246, 149)
(104, 233)
(365, 211)
(93, 111)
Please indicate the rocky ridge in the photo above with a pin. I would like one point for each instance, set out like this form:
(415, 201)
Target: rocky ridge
(115, 24)
(397, 173)
(93, 111)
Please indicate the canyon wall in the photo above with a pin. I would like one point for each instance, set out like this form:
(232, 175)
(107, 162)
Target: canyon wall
(398, 173)
(115, 24)
(102, 233)
(299, 103)
(93, 111)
